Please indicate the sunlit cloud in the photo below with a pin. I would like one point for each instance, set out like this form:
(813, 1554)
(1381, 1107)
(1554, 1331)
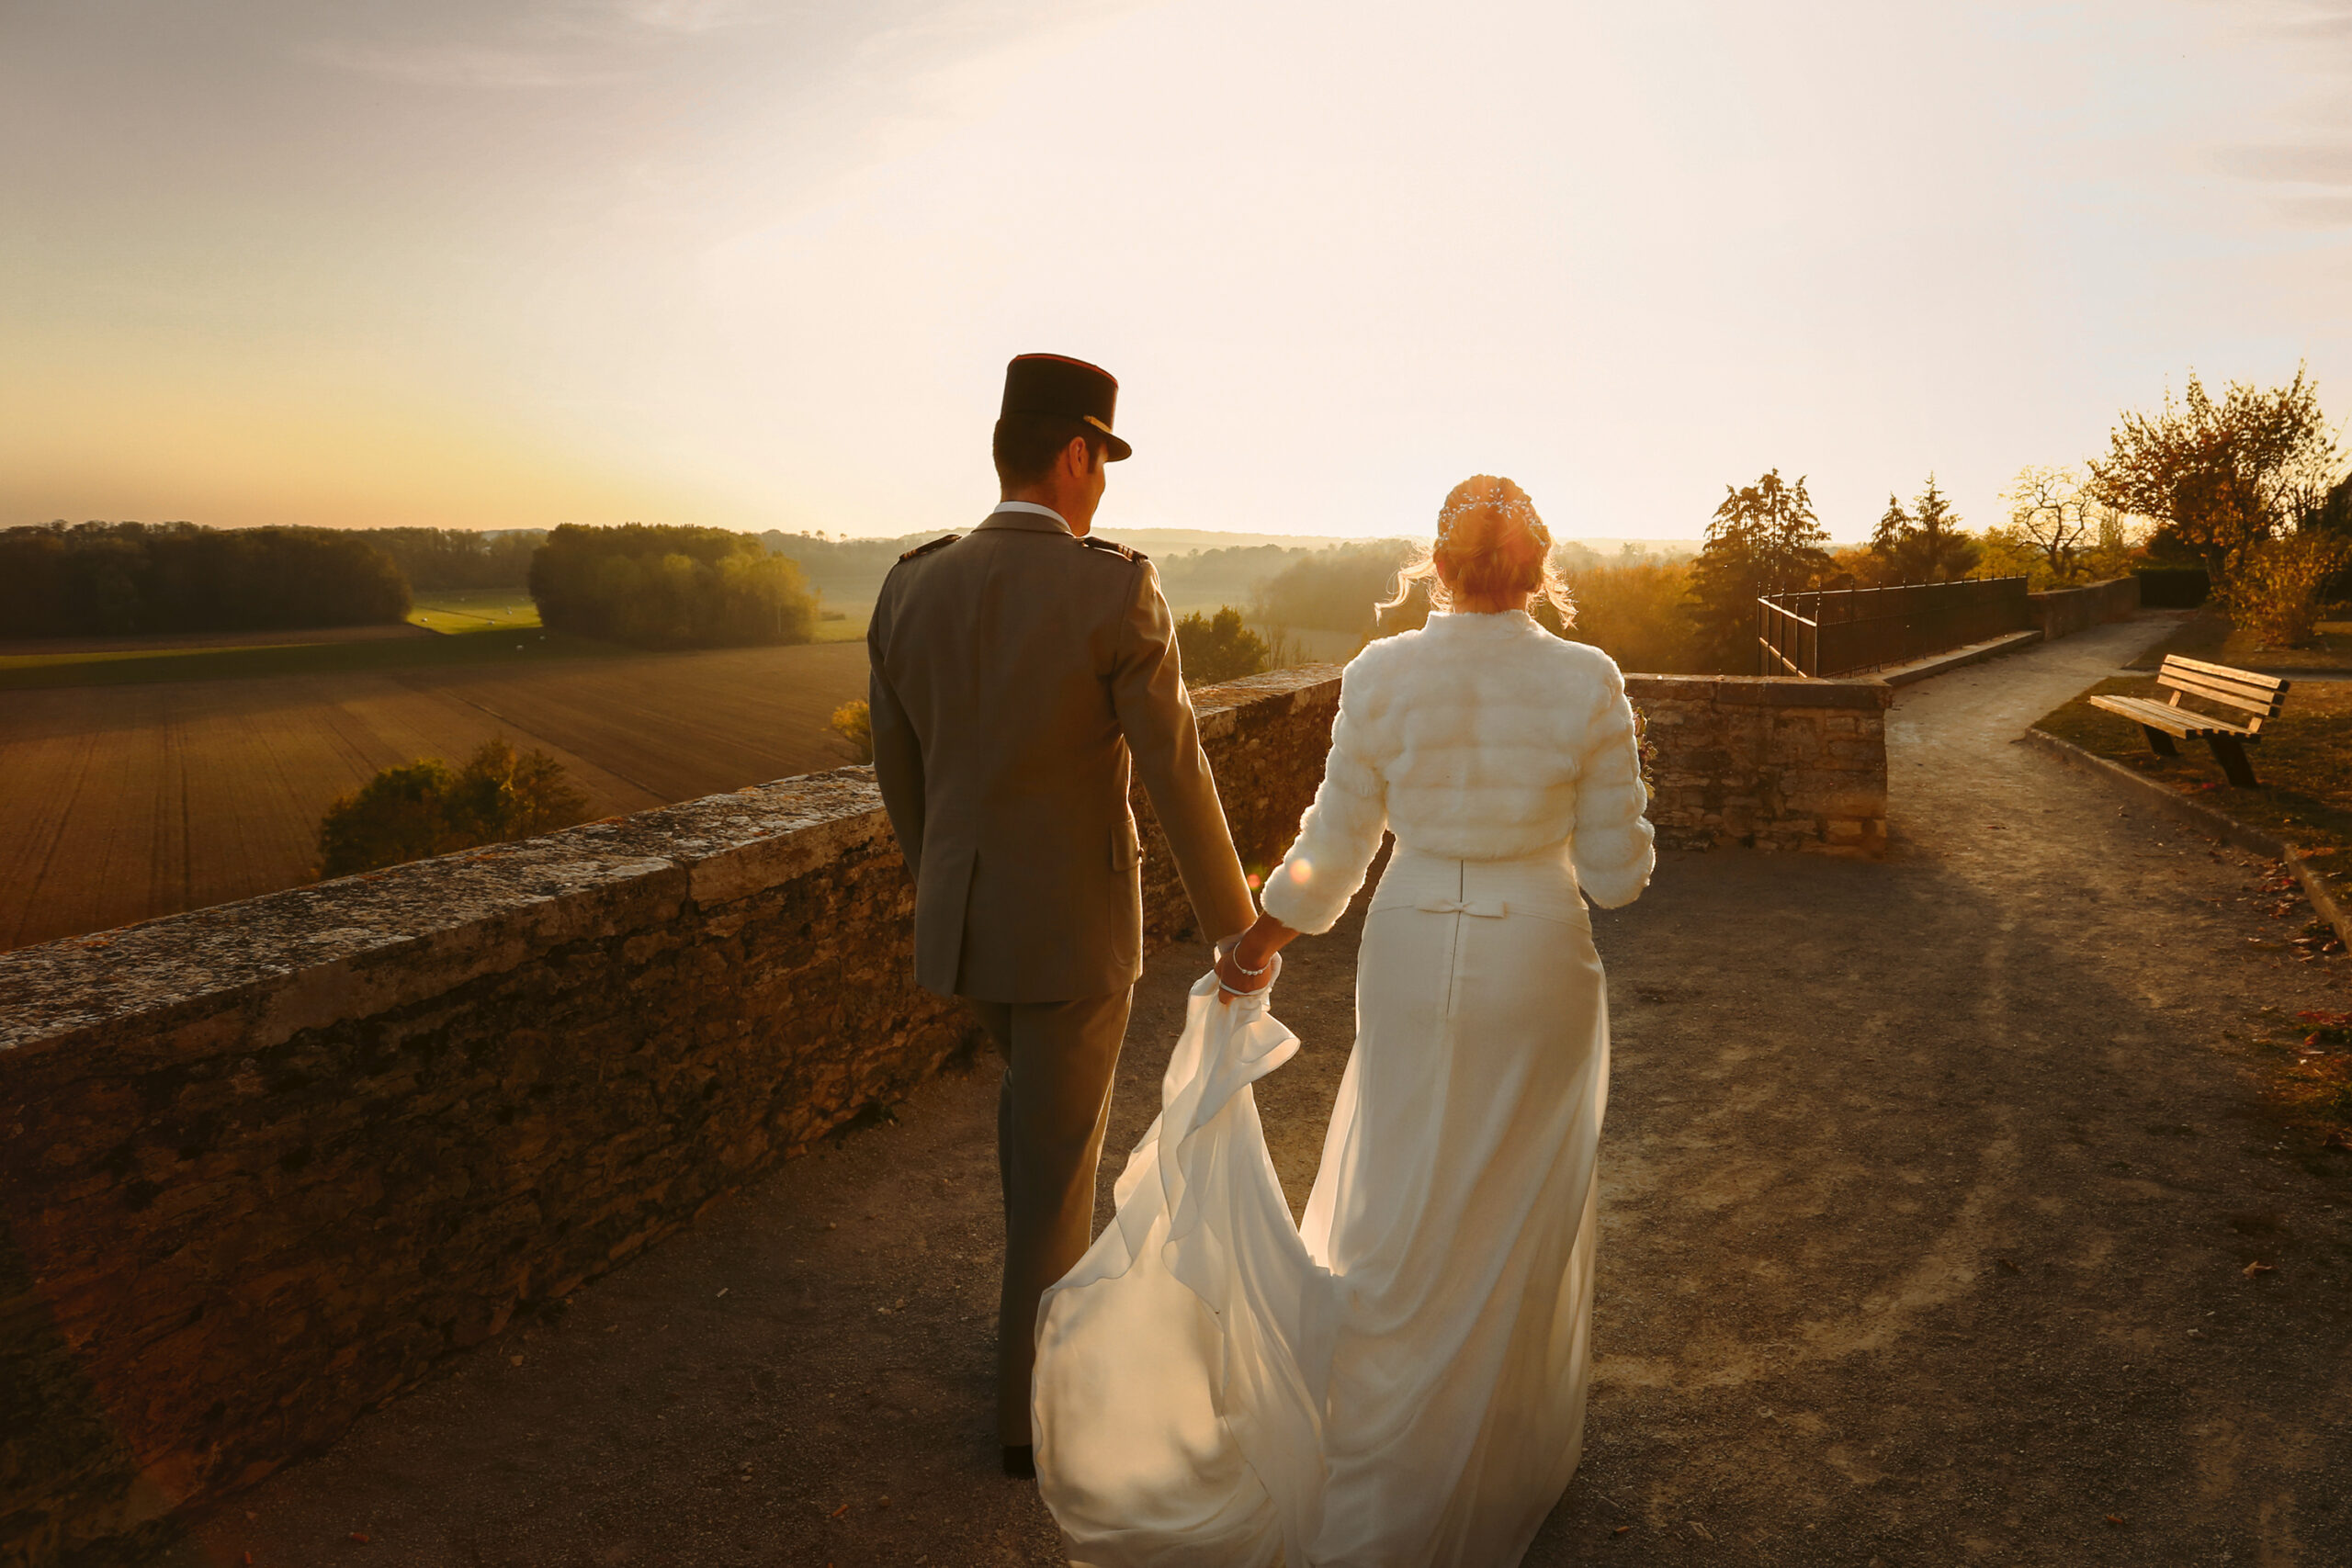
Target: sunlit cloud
(461, 65)
(561, 44)
(682, 15)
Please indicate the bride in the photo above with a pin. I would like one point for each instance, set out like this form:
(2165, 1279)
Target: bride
(1398, 1380)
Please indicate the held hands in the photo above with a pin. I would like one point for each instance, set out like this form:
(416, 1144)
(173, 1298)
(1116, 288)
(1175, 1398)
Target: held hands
(1247, 966)
(1234, 980)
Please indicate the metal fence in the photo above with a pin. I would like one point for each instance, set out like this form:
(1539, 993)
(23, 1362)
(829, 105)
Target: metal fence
(1838, 631)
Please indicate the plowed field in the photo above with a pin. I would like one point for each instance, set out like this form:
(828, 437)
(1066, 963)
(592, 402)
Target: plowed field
(122, 802)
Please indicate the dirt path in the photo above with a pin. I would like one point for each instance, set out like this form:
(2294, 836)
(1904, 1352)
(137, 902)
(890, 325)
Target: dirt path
(1928, 1188)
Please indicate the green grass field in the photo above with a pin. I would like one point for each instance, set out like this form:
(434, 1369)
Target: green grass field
(843, 622)
(475, 610)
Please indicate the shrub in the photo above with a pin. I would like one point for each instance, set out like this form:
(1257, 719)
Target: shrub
(853, 726)
(2281, 585)
(110, 579)
(663, 587)
(421, 808)
(1219, 648)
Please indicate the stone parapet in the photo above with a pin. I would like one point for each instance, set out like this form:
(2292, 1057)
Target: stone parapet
(1763, 763)
(263, 1165)
(2063, 612)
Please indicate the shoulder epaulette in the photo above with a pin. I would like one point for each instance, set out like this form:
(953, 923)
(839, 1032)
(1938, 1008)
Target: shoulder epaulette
(934, 545)
(1123, 552)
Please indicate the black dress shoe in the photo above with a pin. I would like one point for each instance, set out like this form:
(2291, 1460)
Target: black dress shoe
(1021, 1463)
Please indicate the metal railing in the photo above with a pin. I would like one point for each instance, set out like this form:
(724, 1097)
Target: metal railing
(1838, 631)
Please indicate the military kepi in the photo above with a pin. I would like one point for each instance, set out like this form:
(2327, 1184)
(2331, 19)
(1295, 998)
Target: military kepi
(1056, 385)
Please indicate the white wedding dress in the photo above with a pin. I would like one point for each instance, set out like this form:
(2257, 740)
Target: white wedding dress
(1398, 1380)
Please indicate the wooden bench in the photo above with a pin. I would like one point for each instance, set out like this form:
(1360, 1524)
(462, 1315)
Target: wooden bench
(2261, 697)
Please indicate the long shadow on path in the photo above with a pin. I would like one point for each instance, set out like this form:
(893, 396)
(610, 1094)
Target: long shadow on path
(1929, 1190)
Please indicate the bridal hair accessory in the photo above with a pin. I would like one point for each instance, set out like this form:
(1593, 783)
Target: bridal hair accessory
(1493, 544)
(1483, 497)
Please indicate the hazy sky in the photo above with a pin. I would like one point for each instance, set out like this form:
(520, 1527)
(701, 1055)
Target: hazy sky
(759, 265)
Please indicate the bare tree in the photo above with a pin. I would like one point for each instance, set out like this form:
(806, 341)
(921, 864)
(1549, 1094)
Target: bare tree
(2048, 505)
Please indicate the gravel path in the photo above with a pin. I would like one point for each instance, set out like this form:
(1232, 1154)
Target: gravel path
(1929, 1190)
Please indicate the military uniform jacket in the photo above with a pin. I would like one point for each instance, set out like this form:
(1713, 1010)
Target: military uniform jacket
(1021, 678)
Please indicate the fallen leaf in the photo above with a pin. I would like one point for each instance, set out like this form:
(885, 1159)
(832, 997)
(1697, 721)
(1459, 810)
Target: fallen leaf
(249, 1560)
(2253, 1269)
(2336, 1140)
(516, 1360)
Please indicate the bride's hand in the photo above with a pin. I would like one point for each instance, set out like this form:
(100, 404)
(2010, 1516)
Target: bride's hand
(1247, 967)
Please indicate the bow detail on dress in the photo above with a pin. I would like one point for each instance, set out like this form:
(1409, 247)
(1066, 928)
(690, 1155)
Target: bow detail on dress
(1485, 909)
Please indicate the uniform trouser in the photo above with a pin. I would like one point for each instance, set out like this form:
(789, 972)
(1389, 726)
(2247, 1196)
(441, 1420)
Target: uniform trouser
(1050, 1115)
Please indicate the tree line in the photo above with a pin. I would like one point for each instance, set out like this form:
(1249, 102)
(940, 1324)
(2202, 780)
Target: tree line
(670, 587)
(655, 587)
(436, 560)
(114, 578)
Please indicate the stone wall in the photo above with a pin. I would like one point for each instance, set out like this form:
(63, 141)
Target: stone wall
(262, 1166)
(2063, 612)
(1767, 763)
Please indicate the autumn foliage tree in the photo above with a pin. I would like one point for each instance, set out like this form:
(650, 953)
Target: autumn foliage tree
(853, 730)
(2221, 476)
(1632, 609)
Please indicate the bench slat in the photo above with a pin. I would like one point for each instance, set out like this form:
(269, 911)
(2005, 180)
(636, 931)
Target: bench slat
(2265, 703)
(2243, 677)
(2265, 694)
(2186, 723)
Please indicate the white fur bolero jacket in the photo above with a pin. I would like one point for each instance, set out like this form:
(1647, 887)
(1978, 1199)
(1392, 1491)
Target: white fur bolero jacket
(1481, 737)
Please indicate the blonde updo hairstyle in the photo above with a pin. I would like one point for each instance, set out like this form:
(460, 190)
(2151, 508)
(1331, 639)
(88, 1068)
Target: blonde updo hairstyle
(1489, 543)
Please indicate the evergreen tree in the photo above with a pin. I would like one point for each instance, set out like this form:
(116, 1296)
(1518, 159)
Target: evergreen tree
(1924, 543)
(1763, 539)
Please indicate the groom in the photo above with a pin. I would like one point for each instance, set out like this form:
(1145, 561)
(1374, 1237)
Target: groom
(1020, 673)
